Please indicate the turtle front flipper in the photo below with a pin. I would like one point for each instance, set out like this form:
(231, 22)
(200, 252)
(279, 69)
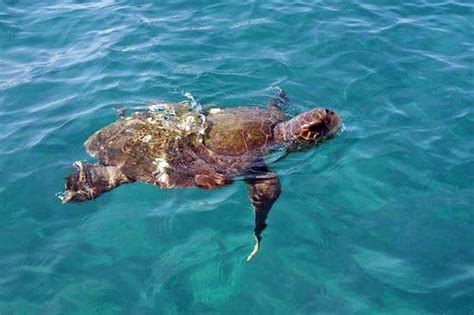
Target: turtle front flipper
(264, 189)
(211, 180)
(278, 101)
(91, 180)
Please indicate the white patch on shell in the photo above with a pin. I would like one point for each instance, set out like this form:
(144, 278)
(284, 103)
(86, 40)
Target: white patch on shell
(163, 179)
(215, 111)
(187, 123)
(147, 138)
(157, 107)
(160, 172)
(151, 120)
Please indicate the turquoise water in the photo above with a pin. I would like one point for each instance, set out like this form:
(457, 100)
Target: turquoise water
(378, 220)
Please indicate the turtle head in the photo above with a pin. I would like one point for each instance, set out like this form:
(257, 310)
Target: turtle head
(308, 128)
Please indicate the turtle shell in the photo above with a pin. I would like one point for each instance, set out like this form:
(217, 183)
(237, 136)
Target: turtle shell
(148, 145)
(141, 144)
(237, 131)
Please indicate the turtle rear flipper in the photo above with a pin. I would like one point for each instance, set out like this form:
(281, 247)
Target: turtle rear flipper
(91, 180)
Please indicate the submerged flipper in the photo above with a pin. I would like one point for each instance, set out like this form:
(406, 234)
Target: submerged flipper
(91, 180)
(264, 189)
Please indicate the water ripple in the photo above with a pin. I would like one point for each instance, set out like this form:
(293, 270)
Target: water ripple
(377, 219)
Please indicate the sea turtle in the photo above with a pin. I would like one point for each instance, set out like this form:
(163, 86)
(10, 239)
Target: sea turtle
(180, 147)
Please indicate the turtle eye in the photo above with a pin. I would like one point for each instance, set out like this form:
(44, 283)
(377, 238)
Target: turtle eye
(328, 111)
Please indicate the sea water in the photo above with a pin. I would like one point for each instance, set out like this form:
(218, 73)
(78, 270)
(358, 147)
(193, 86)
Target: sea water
(378, 220)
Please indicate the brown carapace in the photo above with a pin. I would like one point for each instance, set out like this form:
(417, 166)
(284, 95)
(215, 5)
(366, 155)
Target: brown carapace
(229, 143)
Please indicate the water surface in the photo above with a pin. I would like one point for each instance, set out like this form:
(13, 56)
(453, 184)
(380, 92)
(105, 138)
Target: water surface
(378, 220)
